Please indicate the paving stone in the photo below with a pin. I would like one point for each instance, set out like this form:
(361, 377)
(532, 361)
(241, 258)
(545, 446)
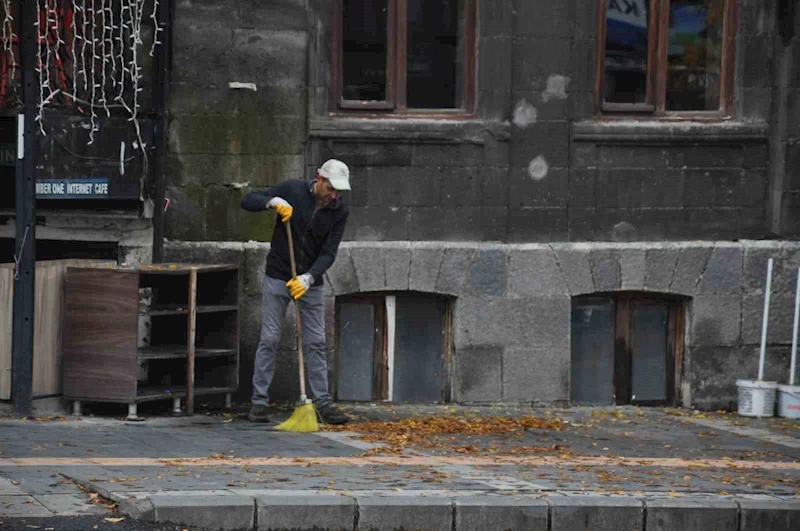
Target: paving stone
(716, 320)
(425, 264)
(7, 488)
(691, 515)
(232, 513)
(323, 513)
(595, 513)
(408, 512)
(456, 262)
(660, 268)
(69, 504)
(480, 513)
(758, 515)
(488, 274)
(605, 269)
(368, 264)
(535, 272)
(577, 270)
(478, 374)
(633, 268)
(723, 273)
(690, 265)
(397, 263)
(22, 506)
(342, 275)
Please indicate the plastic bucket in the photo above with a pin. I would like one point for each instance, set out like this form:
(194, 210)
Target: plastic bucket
(789, 401)
(756, 399)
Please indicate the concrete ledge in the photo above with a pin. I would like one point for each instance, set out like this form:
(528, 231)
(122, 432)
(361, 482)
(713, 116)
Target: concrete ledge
(480, 513)
(229, 513)
(329, 513)
(773, 515)
(376, 510)
(405, 512)
(597, 513)
(138, 508)
(682, 514)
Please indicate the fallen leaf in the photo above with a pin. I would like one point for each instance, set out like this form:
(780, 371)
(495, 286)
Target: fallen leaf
(114, 520)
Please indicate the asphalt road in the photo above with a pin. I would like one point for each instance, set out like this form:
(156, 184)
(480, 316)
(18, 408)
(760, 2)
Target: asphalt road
(84, 523)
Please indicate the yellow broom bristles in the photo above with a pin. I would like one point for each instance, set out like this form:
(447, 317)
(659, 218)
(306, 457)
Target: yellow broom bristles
(303, 420)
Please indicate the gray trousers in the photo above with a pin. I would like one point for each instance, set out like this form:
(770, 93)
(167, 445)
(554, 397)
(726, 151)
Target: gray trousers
(312, 314)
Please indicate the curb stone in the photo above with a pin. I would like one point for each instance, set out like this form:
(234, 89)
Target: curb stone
(459, 511)
(305, 512)
(597, 513)
(676, 514)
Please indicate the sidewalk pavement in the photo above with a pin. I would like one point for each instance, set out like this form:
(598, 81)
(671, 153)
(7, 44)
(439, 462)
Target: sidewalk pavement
(415, 467)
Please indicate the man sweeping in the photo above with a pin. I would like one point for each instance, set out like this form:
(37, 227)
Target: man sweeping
(316, 215)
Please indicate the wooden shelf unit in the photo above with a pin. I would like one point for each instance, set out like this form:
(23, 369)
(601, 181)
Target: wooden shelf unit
(150, 332)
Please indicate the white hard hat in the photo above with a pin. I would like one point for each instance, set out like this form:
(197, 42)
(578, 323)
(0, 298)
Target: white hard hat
(337, 173)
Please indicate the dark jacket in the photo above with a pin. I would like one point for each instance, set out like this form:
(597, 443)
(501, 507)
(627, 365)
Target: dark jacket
(316, 233)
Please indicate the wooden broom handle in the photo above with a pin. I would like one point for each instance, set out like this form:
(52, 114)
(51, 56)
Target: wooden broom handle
(297, 313)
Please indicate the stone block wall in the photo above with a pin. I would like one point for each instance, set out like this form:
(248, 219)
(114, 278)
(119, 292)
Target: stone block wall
(222, 140)
(786, 83)
(536, 165)
(532, 165)
(512, 306)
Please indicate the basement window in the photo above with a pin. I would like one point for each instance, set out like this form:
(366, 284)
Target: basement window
(626, 349)
(392, 348)
(403, 56)
(667, 57)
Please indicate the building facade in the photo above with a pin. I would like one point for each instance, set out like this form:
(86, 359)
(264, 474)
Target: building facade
(553, 201)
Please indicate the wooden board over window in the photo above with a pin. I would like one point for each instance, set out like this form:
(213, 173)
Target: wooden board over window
(666, 57)
(404, 56)
(626, 349)
(393, 347)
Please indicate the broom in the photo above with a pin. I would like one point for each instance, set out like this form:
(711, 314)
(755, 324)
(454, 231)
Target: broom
(304, 418)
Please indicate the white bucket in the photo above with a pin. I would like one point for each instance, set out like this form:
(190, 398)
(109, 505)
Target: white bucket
(789, 401)
(756, 398)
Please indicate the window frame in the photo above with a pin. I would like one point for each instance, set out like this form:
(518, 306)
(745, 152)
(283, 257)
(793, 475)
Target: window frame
(380, 354)
(395, 105)
(622, 371)
(656, 84)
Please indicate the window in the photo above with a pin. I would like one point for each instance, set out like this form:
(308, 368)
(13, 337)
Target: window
(666, 56)
(403, 56)
(625, 350)
(392, 347)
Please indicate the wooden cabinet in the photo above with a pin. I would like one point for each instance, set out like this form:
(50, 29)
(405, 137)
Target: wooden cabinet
(151, 332)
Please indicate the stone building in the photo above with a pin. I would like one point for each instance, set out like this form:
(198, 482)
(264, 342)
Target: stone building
(584, 214)
(566, 201)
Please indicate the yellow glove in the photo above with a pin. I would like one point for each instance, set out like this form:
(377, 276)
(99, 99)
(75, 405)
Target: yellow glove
(299, 286)
(282, 207)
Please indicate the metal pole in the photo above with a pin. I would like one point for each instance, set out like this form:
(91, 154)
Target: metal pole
(765, 321)
(794, 332)
(25, 255)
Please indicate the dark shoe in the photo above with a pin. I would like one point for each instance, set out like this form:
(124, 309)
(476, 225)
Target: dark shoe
(331, 415)
(258, 414)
